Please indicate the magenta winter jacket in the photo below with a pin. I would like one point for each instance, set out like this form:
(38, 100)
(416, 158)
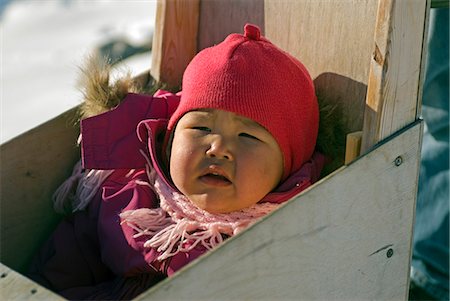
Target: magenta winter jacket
(106, 262)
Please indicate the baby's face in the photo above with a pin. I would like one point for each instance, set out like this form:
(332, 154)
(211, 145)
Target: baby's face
(222, 161)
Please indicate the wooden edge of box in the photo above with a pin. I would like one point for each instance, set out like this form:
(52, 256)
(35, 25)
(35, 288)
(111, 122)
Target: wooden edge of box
(14, 286)
(33, 165)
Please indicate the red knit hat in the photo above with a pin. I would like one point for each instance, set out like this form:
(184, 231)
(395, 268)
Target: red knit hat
(249, 76)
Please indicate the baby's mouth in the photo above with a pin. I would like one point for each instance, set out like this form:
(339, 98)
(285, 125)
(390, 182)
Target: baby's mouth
(215, 178)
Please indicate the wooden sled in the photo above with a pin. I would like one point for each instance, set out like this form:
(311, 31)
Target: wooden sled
(347, 237)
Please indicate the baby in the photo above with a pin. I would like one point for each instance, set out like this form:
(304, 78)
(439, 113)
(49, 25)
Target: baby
(204, 165)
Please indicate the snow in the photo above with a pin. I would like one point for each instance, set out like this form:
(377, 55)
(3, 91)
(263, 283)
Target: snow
(43, 43)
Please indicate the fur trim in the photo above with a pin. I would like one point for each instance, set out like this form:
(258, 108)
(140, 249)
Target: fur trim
(101, 93)
(331, 137)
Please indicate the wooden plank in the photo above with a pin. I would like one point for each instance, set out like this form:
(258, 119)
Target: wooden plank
(14, 286)
(174, 40)
(333, 242)
(33, 165)
(393, 97)
(219, 18)
(334, 40)
(353, 146)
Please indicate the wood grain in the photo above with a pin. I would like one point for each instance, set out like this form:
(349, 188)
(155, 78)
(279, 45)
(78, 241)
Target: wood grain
(334, 40)
(175, 39)
(353, 146)
(33, 165)
(14, 286)
(393, 94)
(219, 18)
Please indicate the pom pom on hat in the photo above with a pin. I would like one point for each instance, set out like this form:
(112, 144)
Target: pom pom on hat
(249, 76)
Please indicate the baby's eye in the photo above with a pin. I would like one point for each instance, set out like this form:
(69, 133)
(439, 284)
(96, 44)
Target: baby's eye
(201, 128)
(246, 135)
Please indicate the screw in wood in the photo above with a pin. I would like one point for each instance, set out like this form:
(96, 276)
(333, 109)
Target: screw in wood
(389, 253)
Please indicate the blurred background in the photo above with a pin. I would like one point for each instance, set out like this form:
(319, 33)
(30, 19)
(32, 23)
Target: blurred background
(44, 42)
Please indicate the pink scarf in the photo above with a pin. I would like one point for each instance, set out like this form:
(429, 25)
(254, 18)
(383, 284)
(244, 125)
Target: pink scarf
(179, 226)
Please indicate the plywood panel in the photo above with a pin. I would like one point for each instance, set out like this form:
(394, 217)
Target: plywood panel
(33, 165)
(175, 39)
(219, 18)
(14, 286)
(334, 39)
(353, 146)
(334, 241)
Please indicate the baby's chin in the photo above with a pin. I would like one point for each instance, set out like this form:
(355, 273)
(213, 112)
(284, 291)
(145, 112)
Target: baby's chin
(218, 205)
(212, 206)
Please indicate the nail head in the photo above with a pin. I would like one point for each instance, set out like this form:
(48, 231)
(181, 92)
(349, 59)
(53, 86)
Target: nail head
(389, 253)
(398, 161)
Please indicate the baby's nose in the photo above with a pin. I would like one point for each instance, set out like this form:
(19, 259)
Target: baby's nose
(220, 149)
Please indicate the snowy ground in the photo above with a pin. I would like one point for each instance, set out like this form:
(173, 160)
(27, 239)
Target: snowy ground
(42, 44)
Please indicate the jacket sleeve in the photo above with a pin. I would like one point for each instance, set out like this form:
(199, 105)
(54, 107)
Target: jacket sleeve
(109, 140)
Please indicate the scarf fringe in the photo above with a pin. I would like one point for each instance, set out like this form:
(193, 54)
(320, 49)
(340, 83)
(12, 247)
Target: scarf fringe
(170, 238)
(88, 188)
(146, 221)
(183, 237)
(77, 191)
(65, 194)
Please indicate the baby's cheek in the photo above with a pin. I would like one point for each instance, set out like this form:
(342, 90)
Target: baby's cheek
(182, 167)
(256, 174)
(271, 172)
(177, 167)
